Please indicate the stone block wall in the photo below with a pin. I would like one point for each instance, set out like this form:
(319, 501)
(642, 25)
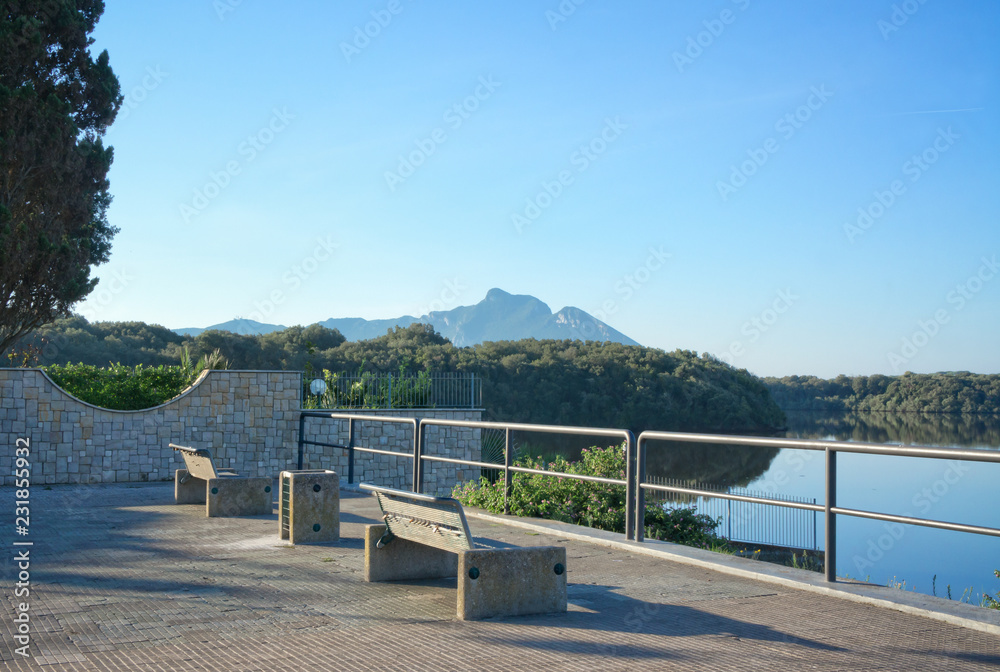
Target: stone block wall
(248, 419)
(390, 470)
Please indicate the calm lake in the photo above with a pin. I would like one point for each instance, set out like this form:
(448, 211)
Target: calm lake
(952, 491)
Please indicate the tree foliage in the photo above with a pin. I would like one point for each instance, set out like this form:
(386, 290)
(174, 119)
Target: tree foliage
(56, 103)
(946, 392)
(613, 385)
(548, 382)
(74, 339)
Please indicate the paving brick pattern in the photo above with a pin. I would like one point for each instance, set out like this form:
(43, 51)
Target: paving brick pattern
(123, 579)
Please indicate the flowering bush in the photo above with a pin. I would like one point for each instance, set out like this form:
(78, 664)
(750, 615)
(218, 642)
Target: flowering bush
(593, 504)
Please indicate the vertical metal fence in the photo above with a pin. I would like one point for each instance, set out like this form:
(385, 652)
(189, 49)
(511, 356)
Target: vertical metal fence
(388, 390)
(749, 522)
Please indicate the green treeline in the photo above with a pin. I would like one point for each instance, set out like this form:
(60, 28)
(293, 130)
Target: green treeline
(950, 392)
(553, 382)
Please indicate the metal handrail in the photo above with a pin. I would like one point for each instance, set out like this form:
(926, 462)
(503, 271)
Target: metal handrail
(627, 438)
(350, 447)
(635, 483)
(829, 508)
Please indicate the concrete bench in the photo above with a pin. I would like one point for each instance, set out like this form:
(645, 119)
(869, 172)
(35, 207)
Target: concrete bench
(428, 537)
(223, 492)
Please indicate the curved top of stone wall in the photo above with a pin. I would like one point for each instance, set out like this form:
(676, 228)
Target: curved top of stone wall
(197, 381)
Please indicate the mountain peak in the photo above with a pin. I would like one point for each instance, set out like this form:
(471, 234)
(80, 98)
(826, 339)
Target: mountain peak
(496, 295)
(500, 316)
(238, 325)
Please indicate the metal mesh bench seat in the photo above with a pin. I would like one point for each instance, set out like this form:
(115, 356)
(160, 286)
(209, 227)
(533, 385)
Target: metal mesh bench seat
(223, 492)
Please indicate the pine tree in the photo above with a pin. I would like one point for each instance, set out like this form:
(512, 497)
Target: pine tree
(56, 103)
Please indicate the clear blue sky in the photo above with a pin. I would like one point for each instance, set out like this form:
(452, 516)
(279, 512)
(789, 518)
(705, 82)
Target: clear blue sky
(802, 188)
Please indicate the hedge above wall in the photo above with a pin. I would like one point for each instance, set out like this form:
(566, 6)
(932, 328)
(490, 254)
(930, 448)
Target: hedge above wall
(121, 388)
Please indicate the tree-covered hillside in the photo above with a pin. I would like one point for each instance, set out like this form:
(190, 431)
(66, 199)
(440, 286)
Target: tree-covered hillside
(949, 392)
(614, 385)
(550, 381)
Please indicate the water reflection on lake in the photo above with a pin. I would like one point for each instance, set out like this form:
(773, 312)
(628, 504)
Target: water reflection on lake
(721, 465)
(928, 429)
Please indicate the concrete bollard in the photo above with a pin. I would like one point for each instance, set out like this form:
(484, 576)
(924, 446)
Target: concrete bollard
(309, 506)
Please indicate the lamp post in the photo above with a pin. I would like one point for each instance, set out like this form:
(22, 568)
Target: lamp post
(318, 387)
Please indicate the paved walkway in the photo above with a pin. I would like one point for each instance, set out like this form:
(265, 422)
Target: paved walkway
(123, 579)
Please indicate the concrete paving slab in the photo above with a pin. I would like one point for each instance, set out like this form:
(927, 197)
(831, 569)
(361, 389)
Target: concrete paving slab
(121, 578)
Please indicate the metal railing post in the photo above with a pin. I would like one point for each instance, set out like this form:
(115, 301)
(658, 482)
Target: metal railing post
(508, 478)
(418, 467)
(831, 518)
(350, 450)
(640, 493)
(631, 515)
(302, 429)
(729, 519)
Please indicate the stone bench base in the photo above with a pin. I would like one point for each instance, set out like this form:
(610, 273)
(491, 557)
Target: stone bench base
(188, 489)
(491, 582)
(226, 496)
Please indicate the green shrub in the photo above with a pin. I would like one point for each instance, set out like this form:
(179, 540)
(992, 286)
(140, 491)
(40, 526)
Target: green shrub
(598, 505)
(682, 525)
(989, 601)
(120, 387)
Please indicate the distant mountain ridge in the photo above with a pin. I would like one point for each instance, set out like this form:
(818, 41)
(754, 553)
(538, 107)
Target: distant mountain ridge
(498, 317)
(238, 326)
